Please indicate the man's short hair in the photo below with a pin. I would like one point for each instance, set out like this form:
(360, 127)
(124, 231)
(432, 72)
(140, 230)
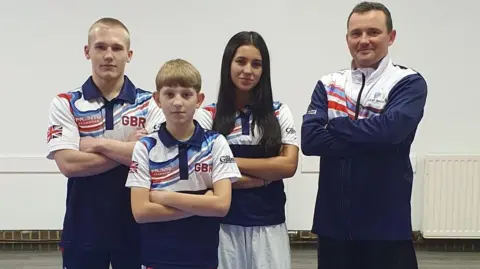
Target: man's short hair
(109, 22)
(365, 6)
(178, 72)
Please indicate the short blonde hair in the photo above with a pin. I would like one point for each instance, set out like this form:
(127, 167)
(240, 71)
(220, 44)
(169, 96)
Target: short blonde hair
(178, 72)
(108, 22)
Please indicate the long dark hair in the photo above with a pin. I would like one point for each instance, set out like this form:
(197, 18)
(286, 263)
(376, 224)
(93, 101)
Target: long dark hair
(261, 95)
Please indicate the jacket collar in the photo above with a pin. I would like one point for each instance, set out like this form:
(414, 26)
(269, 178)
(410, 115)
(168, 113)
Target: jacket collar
(371, 74)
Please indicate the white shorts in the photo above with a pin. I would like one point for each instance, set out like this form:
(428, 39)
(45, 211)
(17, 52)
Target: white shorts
(260, 247)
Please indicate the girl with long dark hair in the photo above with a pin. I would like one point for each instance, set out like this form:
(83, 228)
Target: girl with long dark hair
(261, 134)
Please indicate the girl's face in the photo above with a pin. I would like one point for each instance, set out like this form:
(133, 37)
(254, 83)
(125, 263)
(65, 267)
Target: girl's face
(246, 68)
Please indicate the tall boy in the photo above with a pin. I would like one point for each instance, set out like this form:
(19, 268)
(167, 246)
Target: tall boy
(91, 134)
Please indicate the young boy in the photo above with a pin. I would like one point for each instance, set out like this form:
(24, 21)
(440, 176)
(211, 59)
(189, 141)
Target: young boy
(172, 173)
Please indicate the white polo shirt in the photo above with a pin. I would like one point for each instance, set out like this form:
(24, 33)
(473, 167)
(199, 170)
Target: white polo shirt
(160, 162)
(84, 112)
(241, 133)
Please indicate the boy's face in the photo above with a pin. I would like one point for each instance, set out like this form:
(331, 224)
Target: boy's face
(109, 52)
(179, 103)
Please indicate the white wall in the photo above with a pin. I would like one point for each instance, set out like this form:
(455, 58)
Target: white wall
(42, 55)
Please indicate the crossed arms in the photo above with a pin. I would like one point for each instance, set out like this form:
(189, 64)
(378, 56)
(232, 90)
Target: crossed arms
(166, 205)
(87, 156)
(158, 206)
(258, 172)
(345, 137)
(261, 171)
(95, 156)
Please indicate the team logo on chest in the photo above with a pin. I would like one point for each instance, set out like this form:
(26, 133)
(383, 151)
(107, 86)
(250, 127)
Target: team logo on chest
(133, 121)
(203, 167)
(162, 174)
(89, 122)
(376, 102)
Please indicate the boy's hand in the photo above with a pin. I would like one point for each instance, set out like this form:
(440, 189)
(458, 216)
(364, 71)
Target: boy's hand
(209, 193)
(137, 134)
(90, 144)
(160, 197)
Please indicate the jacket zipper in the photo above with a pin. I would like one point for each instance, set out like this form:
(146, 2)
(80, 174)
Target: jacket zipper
(349, 165)
(357, 105)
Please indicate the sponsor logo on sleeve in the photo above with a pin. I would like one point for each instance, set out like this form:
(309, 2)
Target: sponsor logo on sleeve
(290, 131)
(156, 127)
(227, 159)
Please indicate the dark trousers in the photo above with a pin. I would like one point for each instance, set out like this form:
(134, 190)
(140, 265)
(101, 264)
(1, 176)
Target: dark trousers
(74, 258)
(375, 254)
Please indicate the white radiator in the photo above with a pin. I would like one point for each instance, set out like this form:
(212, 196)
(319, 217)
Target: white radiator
(451, 206)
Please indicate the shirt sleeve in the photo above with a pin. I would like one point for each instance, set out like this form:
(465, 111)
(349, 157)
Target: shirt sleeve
(155, 116)
(402, 114)
(224, 165)
(316, 140)
(287, 126)
(139, 173)
(204, 117)
(62, 132)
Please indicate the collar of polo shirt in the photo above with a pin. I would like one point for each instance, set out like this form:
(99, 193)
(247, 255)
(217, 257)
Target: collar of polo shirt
(128, 93)
(168, 140)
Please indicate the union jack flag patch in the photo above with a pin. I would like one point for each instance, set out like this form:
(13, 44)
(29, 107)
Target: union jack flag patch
(54, 131)
(133, 167)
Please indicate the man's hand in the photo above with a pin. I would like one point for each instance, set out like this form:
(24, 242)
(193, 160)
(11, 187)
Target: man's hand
(90, 144)
(137, 134)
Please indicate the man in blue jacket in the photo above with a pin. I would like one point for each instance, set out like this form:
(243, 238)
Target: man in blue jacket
(361, 122)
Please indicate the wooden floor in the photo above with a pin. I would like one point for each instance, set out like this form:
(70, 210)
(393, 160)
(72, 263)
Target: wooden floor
(303, 258)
